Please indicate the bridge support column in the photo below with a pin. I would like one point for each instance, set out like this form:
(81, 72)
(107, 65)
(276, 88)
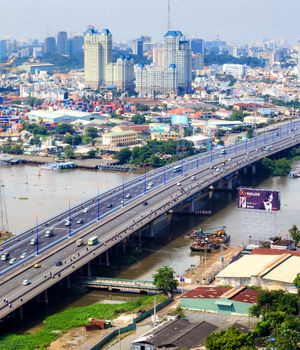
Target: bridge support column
(107, 259)
(21, 313)
(230, 184)
(193, 206)
(140, 238)
(151, 228)
(253, 168)
(46, 297)
(89, 269)
(124, 246)
(68, 282)
(245, 171)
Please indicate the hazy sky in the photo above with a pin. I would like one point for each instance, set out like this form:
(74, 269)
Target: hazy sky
(232, 20)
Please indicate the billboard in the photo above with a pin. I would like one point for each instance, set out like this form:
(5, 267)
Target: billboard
(180, 119)
(250, 198)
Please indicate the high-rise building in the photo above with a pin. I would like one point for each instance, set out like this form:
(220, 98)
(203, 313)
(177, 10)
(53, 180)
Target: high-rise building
(97, 55)
(50, 45)
(177, 51)
(3, 51)
(158, 56)
(151, 80)
(75, 46)
(138, 48)
(197, 45)
(197, 61)
(62, 38)
(298, 66)
(121, 74)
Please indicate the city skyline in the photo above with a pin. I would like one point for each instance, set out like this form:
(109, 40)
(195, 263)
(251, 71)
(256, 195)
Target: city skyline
(254, 20)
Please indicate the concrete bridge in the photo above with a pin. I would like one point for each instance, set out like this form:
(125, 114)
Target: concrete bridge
(122, 212)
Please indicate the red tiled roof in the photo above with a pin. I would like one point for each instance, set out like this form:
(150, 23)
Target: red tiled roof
(246, 296)
(269, 251)
(205, 292)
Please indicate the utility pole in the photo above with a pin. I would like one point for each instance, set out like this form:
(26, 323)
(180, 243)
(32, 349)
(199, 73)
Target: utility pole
(3, 212)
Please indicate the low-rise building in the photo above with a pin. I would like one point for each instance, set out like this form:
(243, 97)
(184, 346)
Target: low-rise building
(121, 138)
(226, 300)
(270, 271)
(176, 334)
(164, 136)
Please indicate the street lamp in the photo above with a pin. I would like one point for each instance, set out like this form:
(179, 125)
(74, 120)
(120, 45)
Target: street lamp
(145, 179)
(165, 174)
(98, 204)
(70, 221)
(123, 190)
(37, 236)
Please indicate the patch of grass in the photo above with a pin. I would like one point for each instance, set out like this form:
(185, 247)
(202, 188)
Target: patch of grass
(57, 324)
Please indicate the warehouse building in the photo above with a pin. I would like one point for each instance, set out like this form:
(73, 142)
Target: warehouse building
(268, 271)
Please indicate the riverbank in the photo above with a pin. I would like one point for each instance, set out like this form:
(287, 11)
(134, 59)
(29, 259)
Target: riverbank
(61, 323)
(209, 266)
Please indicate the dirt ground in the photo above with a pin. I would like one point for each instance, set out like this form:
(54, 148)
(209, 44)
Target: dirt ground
(209, 266)
(79, 339)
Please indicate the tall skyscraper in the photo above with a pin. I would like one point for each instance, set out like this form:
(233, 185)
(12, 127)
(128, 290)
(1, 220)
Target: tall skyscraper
(177, 51)
(3, 51)
(121, 74)
(62, 38)
(97, 55)
(197, 45)
(75, 46)
(50, 45)
(158, 56)
(298, 66)
(138, 48)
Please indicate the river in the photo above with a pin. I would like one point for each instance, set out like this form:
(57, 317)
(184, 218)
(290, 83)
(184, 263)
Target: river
(50, 192)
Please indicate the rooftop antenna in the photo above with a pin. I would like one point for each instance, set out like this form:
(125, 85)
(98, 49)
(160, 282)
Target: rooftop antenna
(169, 14)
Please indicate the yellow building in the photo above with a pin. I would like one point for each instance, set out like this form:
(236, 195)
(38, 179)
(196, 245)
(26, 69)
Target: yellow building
(164, 136)
(120, 138)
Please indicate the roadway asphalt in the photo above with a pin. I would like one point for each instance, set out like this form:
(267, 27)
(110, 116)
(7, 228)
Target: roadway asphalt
(207, 166)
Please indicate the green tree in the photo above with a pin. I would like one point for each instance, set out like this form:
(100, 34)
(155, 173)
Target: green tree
(295, 233)
(35, 140)
(91, 132)
(69, 153)
(267, 166)
(124, 155)
(282, 167)
(250, 133)
(142, 108)
(156, 161)
(164, 279)
(230, 339)
(92, 153)
(138, 119)
(64, 128)
(237, 115)
(297, 283)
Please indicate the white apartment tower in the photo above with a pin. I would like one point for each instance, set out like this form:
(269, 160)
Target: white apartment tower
(97, 55)
(121, 74)
(177, 51)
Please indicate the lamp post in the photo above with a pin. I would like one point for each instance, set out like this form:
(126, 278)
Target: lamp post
(37, 236)
(123, 194)
(145, 180)
(98, 205)
(70, 220)
(165, 173)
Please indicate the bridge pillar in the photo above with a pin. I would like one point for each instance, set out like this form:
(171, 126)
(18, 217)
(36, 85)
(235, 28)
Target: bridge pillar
(229, 184)
(46, 296)
(245, 171)
(253, 169)
(193, 206)
(140, 238)
(68, 282)
(151, 228)
(107, 259)
(124, 246)
(89, 269)
(21, 313)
